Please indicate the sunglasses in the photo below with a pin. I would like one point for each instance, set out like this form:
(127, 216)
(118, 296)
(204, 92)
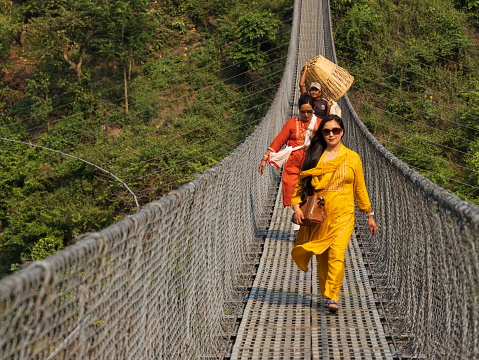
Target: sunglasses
(336, 131)
(305, 111)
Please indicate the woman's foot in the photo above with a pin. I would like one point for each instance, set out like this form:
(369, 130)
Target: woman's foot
(332, 305)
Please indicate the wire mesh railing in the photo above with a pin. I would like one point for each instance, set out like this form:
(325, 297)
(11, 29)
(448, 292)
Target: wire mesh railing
(168, 282)
(425, 261)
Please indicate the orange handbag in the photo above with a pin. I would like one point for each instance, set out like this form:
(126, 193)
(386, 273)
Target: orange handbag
(313, 208)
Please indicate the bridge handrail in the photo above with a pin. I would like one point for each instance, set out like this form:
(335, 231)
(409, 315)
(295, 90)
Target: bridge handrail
(425, 261)
(167, 282)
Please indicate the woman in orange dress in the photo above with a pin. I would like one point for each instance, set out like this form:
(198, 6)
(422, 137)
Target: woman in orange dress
(293, 134)
(327, 157)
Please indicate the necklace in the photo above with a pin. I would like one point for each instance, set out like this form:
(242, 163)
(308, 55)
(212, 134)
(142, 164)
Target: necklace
(301, 128)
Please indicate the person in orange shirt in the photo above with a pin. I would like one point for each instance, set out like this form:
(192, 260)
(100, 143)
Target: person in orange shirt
(295, 133)
(328, 159)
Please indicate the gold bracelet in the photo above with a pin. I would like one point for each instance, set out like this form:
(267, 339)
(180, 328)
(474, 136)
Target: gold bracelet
(295, 211)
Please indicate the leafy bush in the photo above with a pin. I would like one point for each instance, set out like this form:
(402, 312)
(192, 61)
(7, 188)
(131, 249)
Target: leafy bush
(8, 30)
(254, 36)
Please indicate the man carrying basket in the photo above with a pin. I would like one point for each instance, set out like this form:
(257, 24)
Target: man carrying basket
(327, 83)
(321, 106)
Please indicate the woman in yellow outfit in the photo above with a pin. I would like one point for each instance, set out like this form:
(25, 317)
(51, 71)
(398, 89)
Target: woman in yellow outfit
(327, 157)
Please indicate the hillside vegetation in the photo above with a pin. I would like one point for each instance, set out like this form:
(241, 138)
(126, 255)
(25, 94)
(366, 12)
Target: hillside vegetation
(102, 99)
(147, 93)
(417, 82)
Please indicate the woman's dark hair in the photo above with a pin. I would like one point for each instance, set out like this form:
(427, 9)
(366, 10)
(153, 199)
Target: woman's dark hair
(314, 152)
(306, 99)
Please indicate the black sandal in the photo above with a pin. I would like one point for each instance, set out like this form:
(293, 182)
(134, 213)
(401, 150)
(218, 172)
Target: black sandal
(332, 305)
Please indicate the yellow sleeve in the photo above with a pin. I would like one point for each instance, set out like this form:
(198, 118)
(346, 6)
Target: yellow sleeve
(360, 191)
(296, 199)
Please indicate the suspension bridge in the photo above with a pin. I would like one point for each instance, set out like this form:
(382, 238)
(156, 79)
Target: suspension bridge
(205, 272)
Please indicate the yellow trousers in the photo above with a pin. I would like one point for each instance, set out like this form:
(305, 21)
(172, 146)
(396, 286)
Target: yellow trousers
(331, 270)
(329, 248)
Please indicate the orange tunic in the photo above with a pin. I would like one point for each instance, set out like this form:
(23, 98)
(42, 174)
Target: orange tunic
(292, 133)
(329, 240)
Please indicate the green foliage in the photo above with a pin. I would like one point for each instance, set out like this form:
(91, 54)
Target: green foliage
(73, 31)
(36, 105)
(344, 5)
(359, 29)
(45, 247)
(469, 115)
(184, 113)
(8, 30)
(413, 62)
(471, 6)
(255, 34)
(55, 200)
(451, 43)
(126, 27)
(221, 7)
(422, 151)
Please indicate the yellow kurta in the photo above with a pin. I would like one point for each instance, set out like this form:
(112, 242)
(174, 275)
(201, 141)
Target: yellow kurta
(329, 240)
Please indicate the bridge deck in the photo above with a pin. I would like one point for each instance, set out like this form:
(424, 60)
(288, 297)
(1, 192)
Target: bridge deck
(283, 320)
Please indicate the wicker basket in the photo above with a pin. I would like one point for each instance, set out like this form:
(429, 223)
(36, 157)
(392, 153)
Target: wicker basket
(334, 80)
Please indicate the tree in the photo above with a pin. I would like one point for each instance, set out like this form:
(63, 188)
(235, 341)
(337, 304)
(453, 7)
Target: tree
(62, 29)
(70, 30)
(256, 32)
(128, 28)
